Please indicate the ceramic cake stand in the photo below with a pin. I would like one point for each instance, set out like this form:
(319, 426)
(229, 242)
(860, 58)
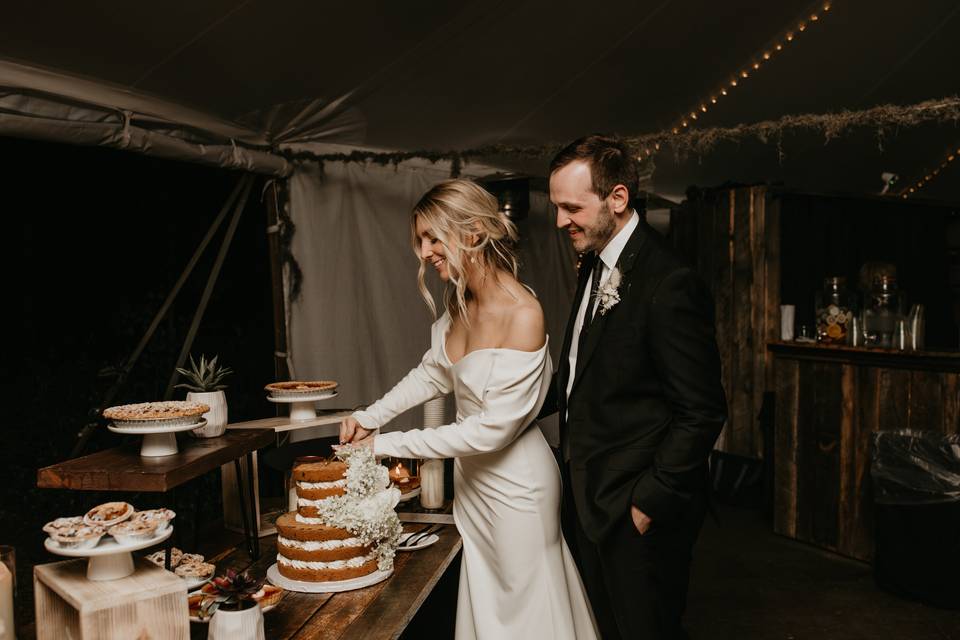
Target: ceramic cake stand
(109, 560)
(303, 407)
(273, 575)
(159, 440)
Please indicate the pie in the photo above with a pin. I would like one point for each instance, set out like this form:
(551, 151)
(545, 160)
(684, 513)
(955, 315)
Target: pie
(108, 514)
(133, 531)
(194, 570)
(301, 387)
(157, 410)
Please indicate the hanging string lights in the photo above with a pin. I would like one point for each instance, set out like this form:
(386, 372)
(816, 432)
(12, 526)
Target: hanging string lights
(761, 58)
(951, 155)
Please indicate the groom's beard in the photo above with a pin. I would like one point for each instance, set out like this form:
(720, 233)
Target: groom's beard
(596, 236)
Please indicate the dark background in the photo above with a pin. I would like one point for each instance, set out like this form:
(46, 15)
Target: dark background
(94, 240)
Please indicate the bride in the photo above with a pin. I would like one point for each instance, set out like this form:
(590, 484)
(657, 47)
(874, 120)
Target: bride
(517, 579)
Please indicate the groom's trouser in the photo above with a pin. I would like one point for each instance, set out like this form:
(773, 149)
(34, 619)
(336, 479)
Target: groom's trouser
(637, 584)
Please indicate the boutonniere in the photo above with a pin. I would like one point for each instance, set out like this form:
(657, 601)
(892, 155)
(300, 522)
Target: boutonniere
(609, 293)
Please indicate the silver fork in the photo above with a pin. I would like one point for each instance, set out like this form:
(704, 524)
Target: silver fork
(415, 539)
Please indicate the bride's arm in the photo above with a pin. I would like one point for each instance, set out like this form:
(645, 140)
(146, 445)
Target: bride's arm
(511, 398)
(427, 381)
(509, 405)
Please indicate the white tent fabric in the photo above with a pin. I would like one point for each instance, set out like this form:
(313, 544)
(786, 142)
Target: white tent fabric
(360, 319)
(41, 104)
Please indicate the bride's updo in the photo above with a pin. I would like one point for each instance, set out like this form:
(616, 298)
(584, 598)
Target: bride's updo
(466, 219)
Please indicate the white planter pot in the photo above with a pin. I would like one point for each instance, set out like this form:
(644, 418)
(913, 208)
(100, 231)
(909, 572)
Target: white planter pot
(237, 625)
(217, 416)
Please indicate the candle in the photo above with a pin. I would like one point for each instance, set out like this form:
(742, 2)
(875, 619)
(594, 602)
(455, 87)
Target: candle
(399, 474)
(431, 484)
(6, 604)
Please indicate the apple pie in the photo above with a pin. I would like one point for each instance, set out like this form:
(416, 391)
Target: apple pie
(294, 388)
(169, 413)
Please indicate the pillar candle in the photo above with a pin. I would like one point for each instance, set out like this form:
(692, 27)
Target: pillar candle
(6, 604)
(431, 484)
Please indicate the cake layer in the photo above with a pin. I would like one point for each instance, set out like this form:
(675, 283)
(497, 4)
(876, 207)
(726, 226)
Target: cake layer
(288, 527)
(323, 572)
(307, 511)
(323, 471)
(314, 551)
(321, 490)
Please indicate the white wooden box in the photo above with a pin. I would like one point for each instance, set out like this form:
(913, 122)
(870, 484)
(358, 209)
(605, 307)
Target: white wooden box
(150, 603)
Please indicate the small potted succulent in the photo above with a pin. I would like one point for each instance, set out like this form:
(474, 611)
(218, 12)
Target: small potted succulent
(204, 383)
(235, 613)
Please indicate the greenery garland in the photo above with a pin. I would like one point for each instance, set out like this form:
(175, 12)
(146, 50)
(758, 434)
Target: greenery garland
(687, 142)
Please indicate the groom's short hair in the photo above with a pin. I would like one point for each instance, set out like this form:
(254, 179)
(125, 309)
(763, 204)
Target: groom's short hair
(611, 163)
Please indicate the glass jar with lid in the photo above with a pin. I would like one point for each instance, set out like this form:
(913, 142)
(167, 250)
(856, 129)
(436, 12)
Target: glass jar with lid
(835, 307)
(883, 307)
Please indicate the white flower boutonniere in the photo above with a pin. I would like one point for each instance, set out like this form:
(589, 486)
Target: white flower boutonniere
(609, 293)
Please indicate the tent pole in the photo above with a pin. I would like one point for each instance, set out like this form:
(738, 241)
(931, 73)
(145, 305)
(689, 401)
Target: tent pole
(272, 197)
(85, 434)
(211, 281)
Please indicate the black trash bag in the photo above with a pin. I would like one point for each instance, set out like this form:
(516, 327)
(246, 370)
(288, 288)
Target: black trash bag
(916, 482)
(915, 467)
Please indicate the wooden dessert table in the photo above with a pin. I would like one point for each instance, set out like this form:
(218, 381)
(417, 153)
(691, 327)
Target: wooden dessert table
(124, 469)
(378, 612)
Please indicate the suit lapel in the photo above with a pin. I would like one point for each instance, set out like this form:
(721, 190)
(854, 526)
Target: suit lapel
(628, 259)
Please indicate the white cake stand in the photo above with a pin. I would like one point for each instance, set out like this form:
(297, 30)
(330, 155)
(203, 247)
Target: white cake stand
(109, 560)
(157, 441)
(303, 407)
(273, 575)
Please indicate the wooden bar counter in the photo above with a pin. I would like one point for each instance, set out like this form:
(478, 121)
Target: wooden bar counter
(829, 400)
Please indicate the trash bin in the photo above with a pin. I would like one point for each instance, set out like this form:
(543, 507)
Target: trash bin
(916, 483)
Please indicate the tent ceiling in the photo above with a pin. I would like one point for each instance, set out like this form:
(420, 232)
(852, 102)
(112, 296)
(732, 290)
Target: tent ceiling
(432, 74)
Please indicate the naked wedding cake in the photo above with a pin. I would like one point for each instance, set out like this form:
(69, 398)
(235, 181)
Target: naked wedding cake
(345, 525)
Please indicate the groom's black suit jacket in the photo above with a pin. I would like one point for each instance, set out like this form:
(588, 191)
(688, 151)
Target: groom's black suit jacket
(647, 403)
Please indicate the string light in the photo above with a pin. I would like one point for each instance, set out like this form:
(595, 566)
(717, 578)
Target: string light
(762, 57)
(952, 154)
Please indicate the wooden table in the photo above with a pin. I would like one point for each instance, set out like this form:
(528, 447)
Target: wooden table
(124, 469)
(379, 612)
(830, 401)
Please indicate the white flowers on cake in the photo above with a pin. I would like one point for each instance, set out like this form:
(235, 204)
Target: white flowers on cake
(367, 508)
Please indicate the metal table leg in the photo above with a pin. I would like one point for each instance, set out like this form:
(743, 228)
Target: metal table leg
(254, 525)
(243, 509)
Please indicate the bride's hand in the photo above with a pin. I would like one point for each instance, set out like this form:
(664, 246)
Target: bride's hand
(351, 430)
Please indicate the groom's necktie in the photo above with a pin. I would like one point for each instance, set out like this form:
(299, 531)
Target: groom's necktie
(591, 301)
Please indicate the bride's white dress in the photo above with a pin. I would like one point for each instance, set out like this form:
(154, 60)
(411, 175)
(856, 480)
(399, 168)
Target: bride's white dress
(517, 579)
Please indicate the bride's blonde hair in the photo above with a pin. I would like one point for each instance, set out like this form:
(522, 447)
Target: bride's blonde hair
(466, 219)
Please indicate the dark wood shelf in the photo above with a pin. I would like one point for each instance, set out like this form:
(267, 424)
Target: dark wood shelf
(124, 469)
(862, 356)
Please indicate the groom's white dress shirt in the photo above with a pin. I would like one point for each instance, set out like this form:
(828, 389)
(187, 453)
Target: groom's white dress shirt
(609, 256)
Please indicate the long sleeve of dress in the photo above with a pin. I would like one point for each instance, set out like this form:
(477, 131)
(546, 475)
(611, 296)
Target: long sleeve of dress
(427, 381)
(512, 386)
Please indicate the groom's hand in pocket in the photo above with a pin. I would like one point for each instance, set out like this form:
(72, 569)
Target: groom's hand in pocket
(640, 520)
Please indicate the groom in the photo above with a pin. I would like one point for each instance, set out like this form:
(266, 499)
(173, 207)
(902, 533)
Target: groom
(639, 395)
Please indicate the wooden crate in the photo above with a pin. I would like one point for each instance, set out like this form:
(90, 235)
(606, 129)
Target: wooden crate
(150, 603)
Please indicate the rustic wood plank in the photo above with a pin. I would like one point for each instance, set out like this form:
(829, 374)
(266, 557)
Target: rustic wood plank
(823, 448)
(925, 402)
(786, 449)
(740, 399)
(950, 393)
(947, 361)
(123, 469)
(893, 395)
(868, 422)
(772, 240)
(340, 611)
(848, 497)
(388, 615)
(722, 279)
